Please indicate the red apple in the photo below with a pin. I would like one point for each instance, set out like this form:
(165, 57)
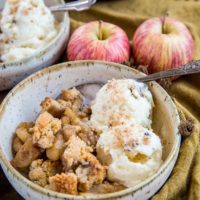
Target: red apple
(162, 43)
(99, 40)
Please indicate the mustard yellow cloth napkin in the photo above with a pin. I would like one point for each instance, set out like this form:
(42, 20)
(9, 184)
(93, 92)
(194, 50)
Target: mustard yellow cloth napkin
(184, 182)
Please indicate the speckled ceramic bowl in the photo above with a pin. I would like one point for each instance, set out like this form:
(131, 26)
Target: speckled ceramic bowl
(22, 104)
(13, 72)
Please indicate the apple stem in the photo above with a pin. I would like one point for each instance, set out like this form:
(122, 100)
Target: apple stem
(100, 30)
(164, 22)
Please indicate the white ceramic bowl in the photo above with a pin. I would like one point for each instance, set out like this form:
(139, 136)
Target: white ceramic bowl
(22, 104)
(13, 72)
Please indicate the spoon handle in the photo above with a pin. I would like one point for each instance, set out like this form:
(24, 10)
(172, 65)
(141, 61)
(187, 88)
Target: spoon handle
(74, 5)
(190, 68)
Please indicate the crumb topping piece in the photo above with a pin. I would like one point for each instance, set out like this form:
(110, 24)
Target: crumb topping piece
(46, 126)
(65, 183)
(90, 172)
(78, 157)
(41, 170)
(73, 96)
(72, 154)
(86, 133)
(54, 107)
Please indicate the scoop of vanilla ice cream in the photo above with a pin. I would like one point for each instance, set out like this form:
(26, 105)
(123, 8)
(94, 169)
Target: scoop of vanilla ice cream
(131, 152)
(26, 26)
(122, 101)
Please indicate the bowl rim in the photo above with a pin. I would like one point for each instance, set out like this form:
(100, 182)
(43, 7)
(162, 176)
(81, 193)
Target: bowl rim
(50, 193)
(43, 49)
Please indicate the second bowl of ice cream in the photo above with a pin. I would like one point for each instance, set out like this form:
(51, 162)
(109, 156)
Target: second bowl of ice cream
(31, 38)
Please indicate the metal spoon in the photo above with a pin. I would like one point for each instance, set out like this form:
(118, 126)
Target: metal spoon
(75, 5)
(89, 90)
(190, 68)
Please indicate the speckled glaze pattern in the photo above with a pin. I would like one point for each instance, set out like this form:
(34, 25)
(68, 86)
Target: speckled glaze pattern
(22, 104)
(13, 72)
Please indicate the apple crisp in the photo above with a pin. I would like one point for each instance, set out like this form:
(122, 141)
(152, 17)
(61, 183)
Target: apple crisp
(58, 150)
(83, 146)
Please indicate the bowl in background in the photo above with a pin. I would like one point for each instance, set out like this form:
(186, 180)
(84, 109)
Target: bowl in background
(22, 104)
(13, 72)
